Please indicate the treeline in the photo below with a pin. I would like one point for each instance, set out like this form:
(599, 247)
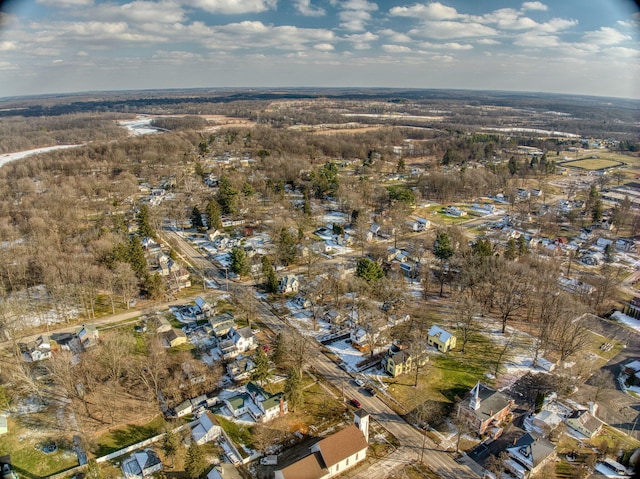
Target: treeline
(20, 133)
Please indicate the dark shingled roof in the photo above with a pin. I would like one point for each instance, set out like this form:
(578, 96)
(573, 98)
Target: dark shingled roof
(491, 402)
(309, 467)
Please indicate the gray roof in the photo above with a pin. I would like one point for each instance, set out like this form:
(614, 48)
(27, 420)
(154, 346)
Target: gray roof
(491, 402)
(534, 449)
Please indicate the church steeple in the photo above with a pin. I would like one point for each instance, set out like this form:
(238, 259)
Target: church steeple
(474, 402)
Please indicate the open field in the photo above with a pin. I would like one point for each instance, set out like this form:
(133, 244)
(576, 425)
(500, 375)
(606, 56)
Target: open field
(592, 164)
(127, 435)
(21, 442)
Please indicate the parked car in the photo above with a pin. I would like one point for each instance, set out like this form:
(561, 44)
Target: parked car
(359, 382)
(371, 390)
(355, 402)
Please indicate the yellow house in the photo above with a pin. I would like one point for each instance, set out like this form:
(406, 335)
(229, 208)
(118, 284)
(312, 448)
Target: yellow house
(174, 337)
(441, 339)
(398, 361)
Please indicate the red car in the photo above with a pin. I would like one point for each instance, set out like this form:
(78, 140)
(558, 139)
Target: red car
(355, 402)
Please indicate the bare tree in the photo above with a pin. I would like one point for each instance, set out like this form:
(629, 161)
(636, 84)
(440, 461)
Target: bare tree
(466, 310)
(511, 292)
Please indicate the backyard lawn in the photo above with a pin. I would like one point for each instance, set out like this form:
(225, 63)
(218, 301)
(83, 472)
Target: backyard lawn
(27, 459)
(128, 435)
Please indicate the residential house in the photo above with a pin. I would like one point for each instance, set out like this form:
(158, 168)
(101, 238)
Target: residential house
(270, 405)
(37, 350)
(206, 429)
(485, 408)
(334, 454)
(546, 419)
(161, 324)
(222, 324)
(634, 307)
(184, 408)
(65, 342)
(443, 340)
(454, 211)
(240, 369)
(288, 284)
(632, 368)
(239, 404)
(141, 464)
(398, 361)
(238, 341)
(88, 336)
(176, 275)
(174, 337)
(529, 455)
(224, 471)
(420, 224)
(584, 422)
(203, 310)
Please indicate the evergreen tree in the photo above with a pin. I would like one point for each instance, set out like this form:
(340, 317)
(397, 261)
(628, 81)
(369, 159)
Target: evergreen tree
(170, 445)
(262, 371)
(154, 286)
(195, 463)
(596, 210)
(522, 246)
(227, 197)
(136, 257)
(306, 206)
(293, 390)
(279, 353)
(144, 226)
(483, 248)
(512, 249)
(443, 250)
(609, 253)
(286, 247)
(269, 273)
(369, 270)
(214, 215)
(93, 471)
(196, 218)
(240, 262)
(401, 165)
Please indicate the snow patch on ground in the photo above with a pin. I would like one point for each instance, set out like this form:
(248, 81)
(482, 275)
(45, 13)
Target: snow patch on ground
(633, 323)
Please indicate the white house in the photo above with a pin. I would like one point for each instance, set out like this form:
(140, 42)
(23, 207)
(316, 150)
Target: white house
(141, 464)
(334, 454)
(288, 284)
(205, 430)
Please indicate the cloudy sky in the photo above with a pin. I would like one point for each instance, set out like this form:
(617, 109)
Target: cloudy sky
(569, 46)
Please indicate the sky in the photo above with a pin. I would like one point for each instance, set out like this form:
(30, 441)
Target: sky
(587, 47)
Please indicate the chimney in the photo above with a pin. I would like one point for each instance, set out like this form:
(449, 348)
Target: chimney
(514, 441)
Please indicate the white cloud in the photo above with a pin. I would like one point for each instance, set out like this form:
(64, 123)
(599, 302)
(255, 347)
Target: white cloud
(324, 47)
(233, 7)
(447, 30)
(396, 49)
(429, 11)
(256, 35)
(534, 6)
(355, 14)
(138, 12)
(305, 8)
(65, 3)
(536, 40)
(394, 36)
(6, 46)
(509, 19)
(446, 46)
(7, 66)
(623, 52)
(556, 25)
(605, 36)
(488, 41)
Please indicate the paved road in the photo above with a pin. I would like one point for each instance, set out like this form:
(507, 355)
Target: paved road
(411, 441)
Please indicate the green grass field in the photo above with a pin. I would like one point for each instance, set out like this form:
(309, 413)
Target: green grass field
(128, 435)
(592, 164)
(28, 461)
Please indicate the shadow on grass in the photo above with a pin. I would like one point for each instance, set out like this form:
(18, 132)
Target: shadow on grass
(124, 437)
